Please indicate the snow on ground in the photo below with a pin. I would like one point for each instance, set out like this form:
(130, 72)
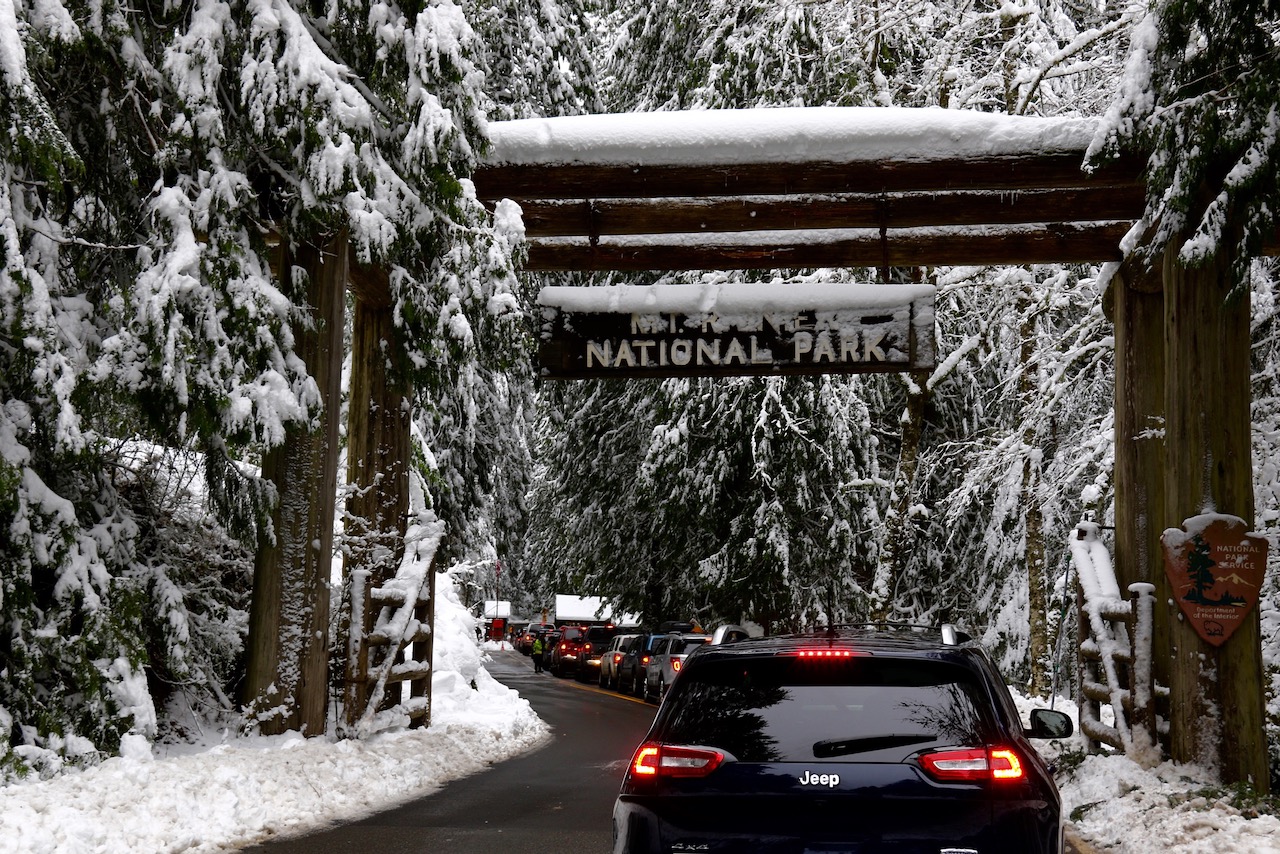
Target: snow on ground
(1123, 807)
(227, 790)
(1115, 805)
(231, 791)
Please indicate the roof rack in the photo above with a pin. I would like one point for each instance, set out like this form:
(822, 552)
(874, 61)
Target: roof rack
(951, 635)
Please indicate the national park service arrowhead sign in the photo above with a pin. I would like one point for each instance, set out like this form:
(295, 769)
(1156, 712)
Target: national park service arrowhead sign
(1215, 568)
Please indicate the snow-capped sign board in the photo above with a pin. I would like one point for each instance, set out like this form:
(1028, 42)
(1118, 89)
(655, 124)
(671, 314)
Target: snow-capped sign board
(739, 329)
(1215, 567)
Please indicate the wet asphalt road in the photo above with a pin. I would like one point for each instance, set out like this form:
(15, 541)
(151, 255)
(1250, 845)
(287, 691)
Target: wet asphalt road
(558, 798)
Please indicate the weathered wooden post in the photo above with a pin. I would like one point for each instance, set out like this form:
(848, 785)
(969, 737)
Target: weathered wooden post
(377, 468)
(1137, 299)
(1216, 693)
(286, 684)
(1142, 718)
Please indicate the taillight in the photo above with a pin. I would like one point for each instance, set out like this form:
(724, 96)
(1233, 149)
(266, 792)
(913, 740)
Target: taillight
(617, 657)
(1005, 765)
(664, 760)
(676, 664)
(586, 647)
(563, 647)
(644, 659)
(973, 765)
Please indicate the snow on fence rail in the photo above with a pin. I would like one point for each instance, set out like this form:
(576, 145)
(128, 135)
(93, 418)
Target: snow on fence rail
(394, 646)
(1115, 652)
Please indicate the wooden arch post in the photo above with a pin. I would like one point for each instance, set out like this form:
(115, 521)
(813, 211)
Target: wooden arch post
(1137, 298)
(378, 459)
(1216, 692)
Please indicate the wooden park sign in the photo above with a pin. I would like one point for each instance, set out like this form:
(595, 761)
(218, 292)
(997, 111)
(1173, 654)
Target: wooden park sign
(740, 329)
(1215, 569)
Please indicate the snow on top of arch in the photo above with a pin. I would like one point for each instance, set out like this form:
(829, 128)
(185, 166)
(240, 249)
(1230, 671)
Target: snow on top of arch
(739, 297)
(782, 135)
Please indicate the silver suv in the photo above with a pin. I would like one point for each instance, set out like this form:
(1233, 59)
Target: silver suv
(611, 658)
(667, 659)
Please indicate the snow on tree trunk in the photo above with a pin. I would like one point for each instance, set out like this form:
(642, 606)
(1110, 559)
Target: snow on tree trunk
(286, 686)
(1038, 645)
(1139, 440)
(378, 469)
(898, 525)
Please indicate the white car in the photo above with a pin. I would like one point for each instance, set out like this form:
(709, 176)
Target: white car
(610, 659)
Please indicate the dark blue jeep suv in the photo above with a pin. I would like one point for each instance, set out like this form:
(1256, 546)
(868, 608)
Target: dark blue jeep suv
(849, 741)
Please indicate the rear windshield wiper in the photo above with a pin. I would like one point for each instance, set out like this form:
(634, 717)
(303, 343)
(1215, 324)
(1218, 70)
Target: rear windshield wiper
(867, 743)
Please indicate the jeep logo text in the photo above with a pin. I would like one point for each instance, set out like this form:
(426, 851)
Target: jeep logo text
(811, 779)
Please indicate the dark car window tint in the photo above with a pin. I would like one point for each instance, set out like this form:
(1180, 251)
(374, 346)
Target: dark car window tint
(596, 634)
(687, 645)
(788, 709)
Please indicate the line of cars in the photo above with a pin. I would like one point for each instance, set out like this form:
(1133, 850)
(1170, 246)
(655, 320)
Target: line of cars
(645, 664)
(851, 739)
(568, 650)
(640, 663)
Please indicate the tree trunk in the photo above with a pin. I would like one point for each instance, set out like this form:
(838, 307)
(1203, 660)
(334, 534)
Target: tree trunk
(1033, 540)
(1140, 447)
(897, 522)
(286, 684)
(1216, 693)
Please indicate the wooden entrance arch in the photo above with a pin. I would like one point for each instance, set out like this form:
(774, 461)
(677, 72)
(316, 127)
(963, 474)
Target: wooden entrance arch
(883, 188)
(828, 187)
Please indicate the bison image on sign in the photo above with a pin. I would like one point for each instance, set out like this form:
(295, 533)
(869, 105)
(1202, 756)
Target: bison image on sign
(741, 329)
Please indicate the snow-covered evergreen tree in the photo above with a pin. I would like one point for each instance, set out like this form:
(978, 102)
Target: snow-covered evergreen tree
(1266, 454)
(152, 159)
(1200, 93)
(539, 57)
(537, 61)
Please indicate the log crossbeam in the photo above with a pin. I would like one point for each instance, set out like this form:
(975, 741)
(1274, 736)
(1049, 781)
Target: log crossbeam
(572, 218)
(622, 181)
(1062, 243)
(911, 212)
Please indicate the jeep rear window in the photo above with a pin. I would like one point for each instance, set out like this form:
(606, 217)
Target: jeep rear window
(862, 709)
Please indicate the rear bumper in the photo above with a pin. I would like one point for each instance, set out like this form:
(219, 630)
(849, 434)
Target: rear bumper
(640, 830)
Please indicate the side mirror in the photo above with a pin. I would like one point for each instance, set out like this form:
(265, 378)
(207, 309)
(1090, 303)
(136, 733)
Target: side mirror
(1046, 723)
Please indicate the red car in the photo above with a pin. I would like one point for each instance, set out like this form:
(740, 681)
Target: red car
(567, 653)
